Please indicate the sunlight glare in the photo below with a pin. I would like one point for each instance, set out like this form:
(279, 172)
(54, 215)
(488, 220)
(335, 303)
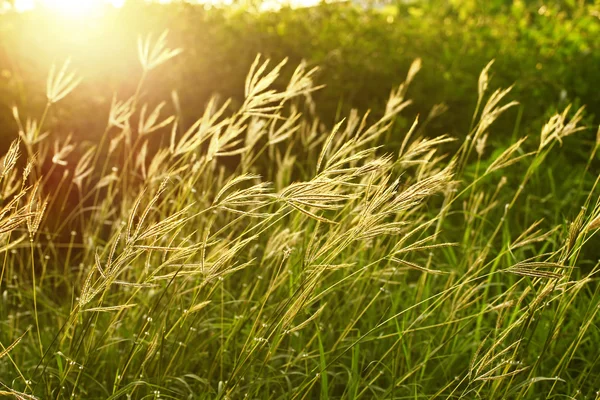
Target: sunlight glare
(85, 8)
(24, 5)
(71, 8)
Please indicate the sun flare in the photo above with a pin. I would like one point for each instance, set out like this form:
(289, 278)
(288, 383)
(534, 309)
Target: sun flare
(67, 8)
(88, 8)
(71, 8)
(23, 5)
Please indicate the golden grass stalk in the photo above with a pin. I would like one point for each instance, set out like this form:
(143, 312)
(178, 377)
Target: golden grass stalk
(151, 55)
(61, 83)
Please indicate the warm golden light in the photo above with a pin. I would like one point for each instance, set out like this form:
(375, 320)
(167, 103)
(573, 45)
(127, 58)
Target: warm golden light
(71, 8)
(24, 5)
(68, 8)
(85, 8)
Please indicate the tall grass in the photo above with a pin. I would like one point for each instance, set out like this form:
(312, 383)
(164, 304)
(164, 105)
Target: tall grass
(151, 265)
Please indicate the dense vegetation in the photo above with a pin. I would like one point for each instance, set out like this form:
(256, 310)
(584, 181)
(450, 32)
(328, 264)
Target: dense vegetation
(548, 50)
(157, 242)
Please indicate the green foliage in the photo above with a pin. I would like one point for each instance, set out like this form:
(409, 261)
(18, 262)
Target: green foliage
(549, 51)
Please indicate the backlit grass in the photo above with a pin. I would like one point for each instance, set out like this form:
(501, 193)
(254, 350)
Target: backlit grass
(257, 253)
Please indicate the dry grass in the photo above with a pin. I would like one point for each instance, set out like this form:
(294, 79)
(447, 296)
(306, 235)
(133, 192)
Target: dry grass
(317, 265)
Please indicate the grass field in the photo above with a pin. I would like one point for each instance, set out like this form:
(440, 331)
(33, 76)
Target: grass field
(259, 253)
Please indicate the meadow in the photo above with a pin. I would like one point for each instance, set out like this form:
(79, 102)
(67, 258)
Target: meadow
(263, 249)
